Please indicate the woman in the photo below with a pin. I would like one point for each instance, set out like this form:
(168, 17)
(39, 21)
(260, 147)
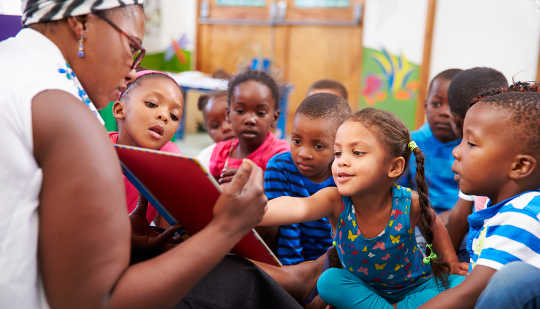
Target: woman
(64, 229)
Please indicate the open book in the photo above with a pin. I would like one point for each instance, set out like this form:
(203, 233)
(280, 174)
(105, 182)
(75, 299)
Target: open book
(183, 192)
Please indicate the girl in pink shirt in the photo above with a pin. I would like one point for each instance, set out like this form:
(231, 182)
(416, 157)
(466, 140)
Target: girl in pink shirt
(253, 108)
(148, 114)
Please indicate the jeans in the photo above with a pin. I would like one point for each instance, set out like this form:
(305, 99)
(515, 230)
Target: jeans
(515, 285)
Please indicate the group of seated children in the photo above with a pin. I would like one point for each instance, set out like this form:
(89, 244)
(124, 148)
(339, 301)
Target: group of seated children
(343, 184)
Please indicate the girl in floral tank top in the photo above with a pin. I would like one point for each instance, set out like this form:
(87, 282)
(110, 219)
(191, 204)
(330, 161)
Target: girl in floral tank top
(374, 220)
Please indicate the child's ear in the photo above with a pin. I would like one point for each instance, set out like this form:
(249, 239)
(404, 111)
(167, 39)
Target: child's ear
(276, 116)
(523, 166)
(119, 110)
(397, 166)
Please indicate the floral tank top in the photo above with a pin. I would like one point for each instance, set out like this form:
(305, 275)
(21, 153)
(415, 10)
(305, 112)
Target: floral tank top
(391, 263)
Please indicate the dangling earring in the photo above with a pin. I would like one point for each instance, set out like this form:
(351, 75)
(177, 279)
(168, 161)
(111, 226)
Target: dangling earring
(81, 48)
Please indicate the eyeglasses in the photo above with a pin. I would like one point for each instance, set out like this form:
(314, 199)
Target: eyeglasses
(137, 50)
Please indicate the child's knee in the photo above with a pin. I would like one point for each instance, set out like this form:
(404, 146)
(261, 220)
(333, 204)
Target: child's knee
(328, 282)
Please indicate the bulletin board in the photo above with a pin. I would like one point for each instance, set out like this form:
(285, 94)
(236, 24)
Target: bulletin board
(395, 58)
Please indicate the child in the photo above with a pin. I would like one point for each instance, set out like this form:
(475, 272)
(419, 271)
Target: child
(503, 165)
(253, 106)
(148, 114)
(328, 86)
(374, 219)
(214, 109)
(466, 86)
(437, 139)
(305, 170)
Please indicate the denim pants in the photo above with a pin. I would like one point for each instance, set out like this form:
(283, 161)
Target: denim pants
(515, 285)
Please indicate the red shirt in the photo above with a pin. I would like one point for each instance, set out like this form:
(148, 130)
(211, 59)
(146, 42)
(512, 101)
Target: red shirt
(132, 195)
(221, 154)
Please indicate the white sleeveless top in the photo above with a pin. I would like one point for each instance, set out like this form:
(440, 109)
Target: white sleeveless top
(29, 64)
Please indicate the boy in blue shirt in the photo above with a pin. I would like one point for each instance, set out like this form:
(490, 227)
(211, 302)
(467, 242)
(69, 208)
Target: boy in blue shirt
(436, 138)
(305, 170)
(499, 157)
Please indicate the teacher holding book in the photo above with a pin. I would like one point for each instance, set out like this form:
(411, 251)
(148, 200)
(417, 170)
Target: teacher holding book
(64, 228)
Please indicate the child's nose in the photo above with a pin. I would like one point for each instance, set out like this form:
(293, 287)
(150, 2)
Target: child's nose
(250, 119)
(304, 153)
(456, 153)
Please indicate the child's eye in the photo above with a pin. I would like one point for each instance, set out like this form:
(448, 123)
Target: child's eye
(471, 144)
(358, 153)
(214, 126)
(436, 104)
(296, 141)
(150, 104)
(174, 117)
(261, 113)
(319, 147)
(239, 111)
(337, 154)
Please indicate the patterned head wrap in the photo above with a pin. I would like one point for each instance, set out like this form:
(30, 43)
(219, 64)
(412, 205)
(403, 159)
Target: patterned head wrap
(37, 11)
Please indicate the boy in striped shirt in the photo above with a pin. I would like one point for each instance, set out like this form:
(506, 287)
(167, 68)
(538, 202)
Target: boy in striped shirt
(499, 157)
(305, 170)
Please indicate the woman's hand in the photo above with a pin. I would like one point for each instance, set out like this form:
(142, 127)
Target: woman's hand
(242, 203)
(459, 268)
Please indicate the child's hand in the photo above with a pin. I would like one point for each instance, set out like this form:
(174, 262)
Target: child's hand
(242, 203)
(459, 268)
(146, 239)
(227, 175)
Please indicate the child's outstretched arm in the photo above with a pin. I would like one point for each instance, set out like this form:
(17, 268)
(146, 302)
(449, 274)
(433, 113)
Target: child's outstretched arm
(465, 294)
(441, 240)
(290, 210)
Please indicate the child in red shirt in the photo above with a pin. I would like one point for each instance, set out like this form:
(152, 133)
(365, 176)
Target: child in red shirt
(148, 114)
(253, 107)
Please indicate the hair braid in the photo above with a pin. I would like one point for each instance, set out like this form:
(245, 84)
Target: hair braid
(438, 266)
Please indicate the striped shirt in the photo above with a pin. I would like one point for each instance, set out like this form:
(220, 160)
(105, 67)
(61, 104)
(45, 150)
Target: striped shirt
(506, 232)
(303, 241)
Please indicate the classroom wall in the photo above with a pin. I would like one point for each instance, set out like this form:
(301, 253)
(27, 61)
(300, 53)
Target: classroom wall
(503, 34)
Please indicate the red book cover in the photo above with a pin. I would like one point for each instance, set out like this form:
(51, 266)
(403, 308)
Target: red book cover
(183, 192)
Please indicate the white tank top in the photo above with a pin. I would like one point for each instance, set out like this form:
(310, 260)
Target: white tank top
(29, 63)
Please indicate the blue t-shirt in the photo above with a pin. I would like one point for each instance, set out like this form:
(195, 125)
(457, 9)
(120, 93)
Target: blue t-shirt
(442, 188)
(303, 241)
(506, 232)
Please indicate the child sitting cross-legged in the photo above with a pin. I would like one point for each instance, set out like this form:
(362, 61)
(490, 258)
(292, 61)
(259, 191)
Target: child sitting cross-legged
(253, 108)
(305, 170)
(148, 114)
(374, 220)
(499, 157)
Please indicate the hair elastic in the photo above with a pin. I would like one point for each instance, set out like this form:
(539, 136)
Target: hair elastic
(431, 257)
(412, 146)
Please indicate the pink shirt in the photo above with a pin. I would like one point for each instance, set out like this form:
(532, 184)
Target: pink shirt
(221, 154)
(132, 194)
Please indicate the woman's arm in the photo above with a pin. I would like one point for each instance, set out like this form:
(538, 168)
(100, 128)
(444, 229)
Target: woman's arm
(290, 210)
(441, 240)
(84, 260)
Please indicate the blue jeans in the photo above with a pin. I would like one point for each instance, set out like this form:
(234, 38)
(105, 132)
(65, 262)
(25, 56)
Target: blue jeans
(343, 289)
(515, 285)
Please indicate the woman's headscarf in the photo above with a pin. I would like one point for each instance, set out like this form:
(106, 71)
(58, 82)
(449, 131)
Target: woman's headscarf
(37, 11)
